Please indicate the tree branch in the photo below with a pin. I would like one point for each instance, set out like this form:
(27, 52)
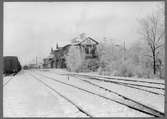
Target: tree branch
(159, 46)
(149, 56)
(160, 36)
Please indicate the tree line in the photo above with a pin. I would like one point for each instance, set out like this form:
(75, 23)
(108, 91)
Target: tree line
(145, 58)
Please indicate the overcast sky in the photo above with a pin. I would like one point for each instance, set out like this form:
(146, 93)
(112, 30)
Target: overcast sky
(32, 28)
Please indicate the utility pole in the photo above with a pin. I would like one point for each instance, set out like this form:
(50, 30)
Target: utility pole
(124, 51)
(36, 60)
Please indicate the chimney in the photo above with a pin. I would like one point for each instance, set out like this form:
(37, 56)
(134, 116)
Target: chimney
(51, 50)
(57, 46)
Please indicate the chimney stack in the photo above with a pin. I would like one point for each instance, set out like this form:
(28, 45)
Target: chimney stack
(57, 46)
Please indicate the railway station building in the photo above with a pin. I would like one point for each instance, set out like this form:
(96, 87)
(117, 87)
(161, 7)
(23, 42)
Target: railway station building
(56, 58)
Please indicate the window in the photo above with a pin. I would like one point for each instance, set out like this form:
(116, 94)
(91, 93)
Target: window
(86, 50)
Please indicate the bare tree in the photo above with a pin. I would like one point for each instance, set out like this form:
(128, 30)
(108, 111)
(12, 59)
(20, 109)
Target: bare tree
(152, 31)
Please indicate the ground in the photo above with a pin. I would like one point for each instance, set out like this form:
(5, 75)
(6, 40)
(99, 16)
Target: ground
(53, 93)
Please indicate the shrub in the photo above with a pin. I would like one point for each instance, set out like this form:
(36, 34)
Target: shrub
(74, 59)
(90, 65)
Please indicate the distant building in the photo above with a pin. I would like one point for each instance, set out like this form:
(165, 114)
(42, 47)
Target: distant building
(33, 66)
(56, 58)
(48, 61)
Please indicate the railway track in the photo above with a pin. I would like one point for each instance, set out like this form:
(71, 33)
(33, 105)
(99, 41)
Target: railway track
(124, 82)
(114, 78)
(121, 79)
(110, 91)
(139, 87)
(122, 99)
(6, 82)
(132, 84)
(146, 82)
(61, 95)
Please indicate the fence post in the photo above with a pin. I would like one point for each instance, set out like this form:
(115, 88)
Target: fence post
(68, 77)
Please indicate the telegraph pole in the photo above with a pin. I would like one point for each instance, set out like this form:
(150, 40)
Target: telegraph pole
(124, 51)
(36, 60)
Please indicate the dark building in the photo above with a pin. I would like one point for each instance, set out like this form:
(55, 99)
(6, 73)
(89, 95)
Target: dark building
(56, 58)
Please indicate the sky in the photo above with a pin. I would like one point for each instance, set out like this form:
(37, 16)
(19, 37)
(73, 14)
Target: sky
(31, 29)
